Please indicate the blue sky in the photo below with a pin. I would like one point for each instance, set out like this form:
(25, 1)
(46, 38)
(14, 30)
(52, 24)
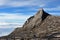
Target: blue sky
(13, 13)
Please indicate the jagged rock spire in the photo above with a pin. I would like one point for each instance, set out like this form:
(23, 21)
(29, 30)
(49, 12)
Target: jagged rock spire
(41, 14)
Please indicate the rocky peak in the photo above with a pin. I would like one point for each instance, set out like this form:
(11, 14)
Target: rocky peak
(36, 19)
(41, 14)
(41, 26)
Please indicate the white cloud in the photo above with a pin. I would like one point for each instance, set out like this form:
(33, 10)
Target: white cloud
(13, 16)
(53, 9)
(55, 14)
(6, 31)
(4, 34)
(14, 20)
(18, 3)
(10, 25)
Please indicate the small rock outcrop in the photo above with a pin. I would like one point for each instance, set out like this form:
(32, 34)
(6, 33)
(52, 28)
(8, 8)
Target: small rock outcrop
(41, 26)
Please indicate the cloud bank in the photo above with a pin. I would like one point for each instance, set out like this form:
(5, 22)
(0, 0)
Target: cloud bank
(12, 20)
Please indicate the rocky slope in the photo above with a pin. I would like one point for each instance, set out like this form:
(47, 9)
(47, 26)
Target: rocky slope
(41, 26)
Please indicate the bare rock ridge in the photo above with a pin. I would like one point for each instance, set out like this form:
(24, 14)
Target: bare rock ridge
(41, 26)
(37, 18)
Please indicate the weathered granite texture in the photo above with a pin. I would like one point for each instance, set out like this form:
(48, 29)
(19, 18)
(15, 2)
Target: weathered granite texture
(41, 26)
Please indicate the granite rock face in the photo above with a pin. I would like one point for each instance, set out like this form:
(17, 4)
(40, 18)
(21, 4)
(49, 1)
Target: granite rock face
(41, 26)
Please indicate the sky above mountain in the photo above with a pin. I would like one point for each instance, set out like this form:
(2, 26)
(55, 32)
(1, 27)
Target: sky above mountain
(13, 13)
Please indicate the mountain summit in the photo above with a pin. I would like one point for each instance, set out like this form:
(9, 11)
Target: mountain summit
(42, 14)
(41, 26)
